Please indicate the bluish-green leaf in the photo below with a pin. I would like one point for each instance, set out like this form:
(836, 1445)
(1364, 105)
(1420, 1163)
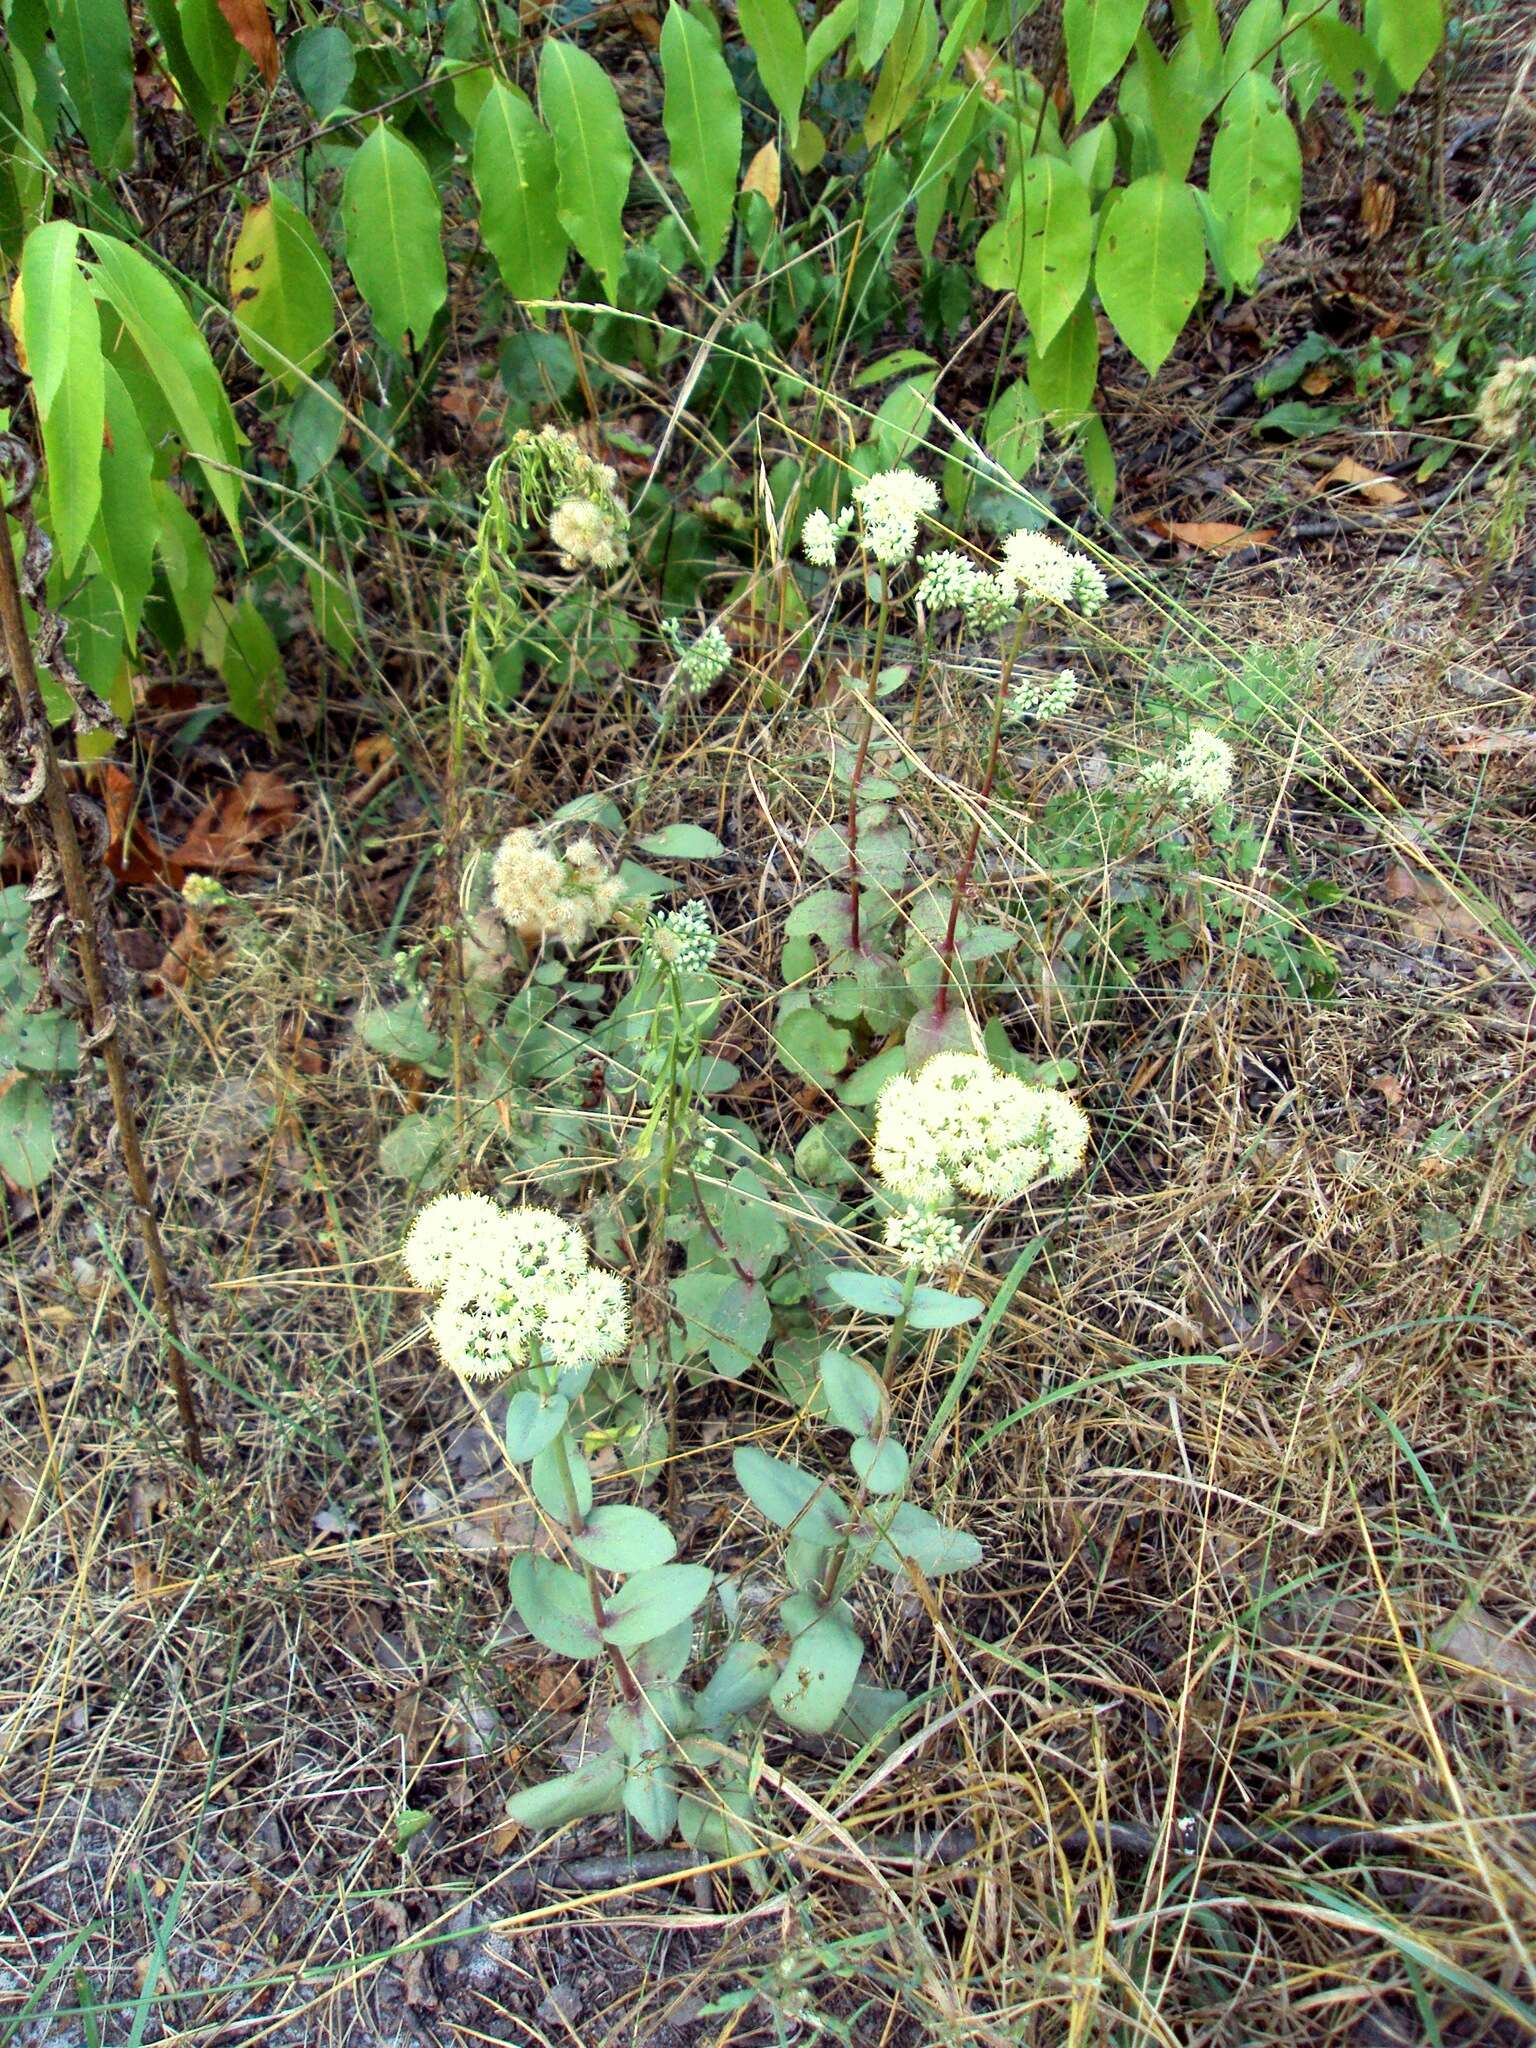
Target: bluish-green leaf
(617, 1538)
(555, 1605)
(740, 1681)
(881, 1466)
(514, 174)
(533, 1421)
(702, 117)
(596, 1786)
(682, 842)
(872, 1294)
(27, 1149)
(819, 1672)
(913, 1536)
(394, 227)
(321, 65)
(652, 1602)
(856, 1397)
(788, 1496)
(592, 155)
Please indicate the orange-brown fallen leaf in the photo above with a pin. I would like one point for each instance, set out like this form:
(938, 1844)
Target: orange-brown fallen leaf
(135, 855)
(227, 830)
(251, 26)
(1211, 536)
(1375, 488)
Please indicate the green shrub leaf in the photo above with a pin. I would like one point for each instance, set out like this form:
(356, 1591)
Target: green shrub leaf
(514, 173)
(581, 111)
(702, 116)
(1151, 264)
(394, 227)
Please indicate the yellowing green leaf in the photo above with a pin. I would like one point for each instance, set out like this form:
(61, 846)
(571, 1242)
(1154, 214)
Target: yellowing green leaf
(514, 173)
(581, 111)
(280, 291)
(1046, 246)
(1151, 264)
(1255, 176)
(394, 223)
(1099, 37)
(904, 72)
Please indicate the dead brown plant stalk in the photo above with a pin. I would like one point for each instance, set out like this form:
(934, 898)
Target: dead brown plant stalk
(102, 1035)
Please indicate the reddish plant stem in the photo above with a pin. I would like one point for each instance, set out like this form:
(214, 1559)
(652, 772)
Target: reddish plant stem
(855, 780)
(968, 860)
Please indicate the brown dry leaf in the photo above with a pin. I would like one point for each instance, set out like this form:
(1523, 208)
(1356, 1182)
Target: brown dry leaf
(1433, 911)
(765, 175)
(251, 26)
(1317, 380)
(1211, 536)
(185, 955)
(1519, 741)
(1497, 1661)
(978, 61)
(224, 831)
(1378, 208)
(1388, 1087)
(1375, 488)
(134, 855)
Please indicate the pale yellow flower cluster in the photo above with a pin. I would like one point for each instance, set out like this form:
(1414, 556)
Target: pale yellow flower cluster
(1506, 405)
(507, 1279)
(542, 894)
(959, 1125)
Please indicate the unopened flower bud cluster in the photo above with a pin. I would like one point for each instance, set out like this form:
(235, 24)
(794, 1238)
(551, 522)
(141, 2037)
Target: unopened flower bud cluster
(704, 659)
(925, 1239)
(1041, 697)
(959, 1125)
(508, 1280)
(683, 939)
(543, 894)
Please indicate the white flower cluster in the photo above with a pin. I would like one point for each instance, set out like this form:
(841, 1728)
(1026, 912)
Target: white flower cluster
(1200, 773)
(891, 504)
(684, 938)
(704, 660)
(922, 1238)
(540, 895)
(951, 581)
(1506, 405)
(1033, 697)
(961, 1124)
(822, 536)
(1044, 572)
(507, 1279)
(588, 535)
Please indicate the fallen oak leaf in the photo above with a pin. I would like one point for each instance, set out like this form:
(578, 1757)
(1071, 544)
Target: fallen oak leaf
(227, 829)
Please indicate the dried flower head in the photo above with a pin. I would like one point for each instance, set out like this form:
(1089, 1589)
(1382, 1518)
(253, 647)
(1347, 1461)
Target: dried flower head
(588, 535)
(1506, 405)
(1200, 773)
(961, 1124)
(540, 895)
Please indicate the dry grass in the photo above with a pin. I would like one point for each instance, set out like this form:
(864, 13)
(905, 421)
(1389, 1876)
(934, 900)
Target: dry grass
(1236, 1712)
